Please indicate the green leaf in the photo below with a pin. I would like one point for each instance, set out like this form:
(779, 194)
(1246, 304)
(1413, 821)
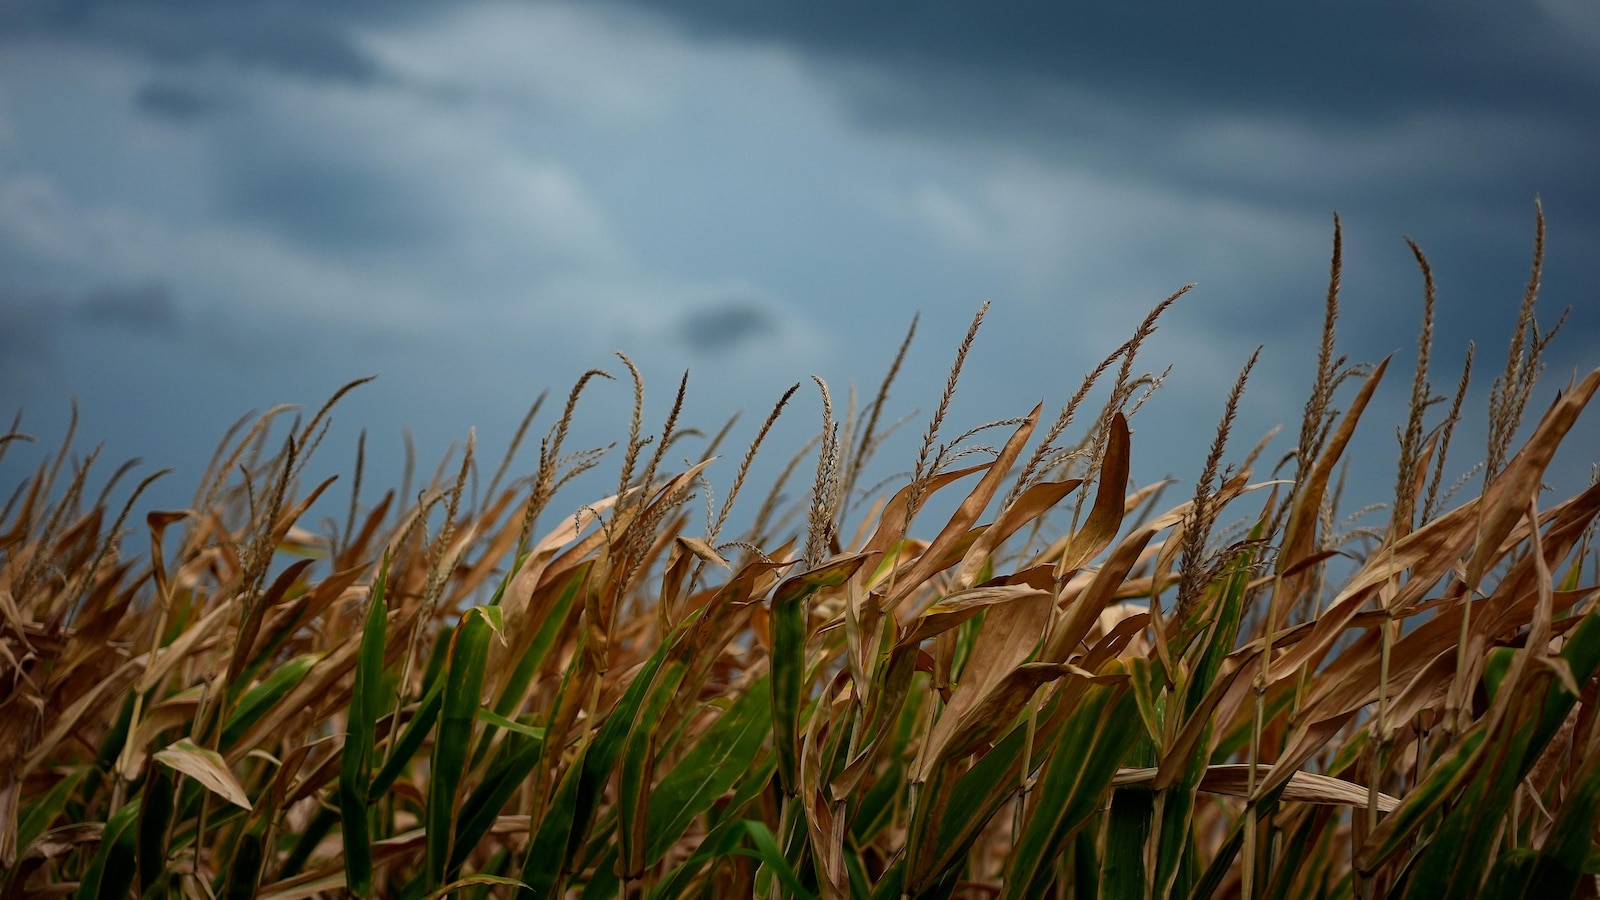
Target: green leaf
(1561, 860)
(516, 685)
(767, 851)
(547, 852)
(1513, 874)
(973, 800)
(1495, 666)
(1225, 607)
(1421, 801)
(757, 783)
(604, 884)
(608, 742)
(1458, 856)
(1132, 814)
(788, 656)
(892, 884)
(154, 819)
(469, 881)
(726, 751)
(1223, 631)
(262, 697)
(637, 773)
(244, 870)
(355, 768)
(463, 690)
(719, 842)
(1093, 742)
(411, 738)
(38, 815)
(484, 804)
(499, 721)
(110, 873)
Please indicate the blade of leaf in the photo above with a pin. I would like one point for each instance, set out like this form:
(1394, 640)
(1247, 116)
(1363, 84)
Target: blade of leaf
(463, 693)
(727, 750)
(206, 767)
(355, 769)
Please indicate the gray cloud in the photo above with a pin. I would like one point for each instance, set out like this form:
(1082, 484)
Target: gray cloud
(1357, 61)
(35, 324)
(1076, 165)
(175, 102)
(725, 325)
(304, 38)
(27, 327)
(1303, 107)
(145, 307)
(327, 204)
(1368, 102)
(32, 321)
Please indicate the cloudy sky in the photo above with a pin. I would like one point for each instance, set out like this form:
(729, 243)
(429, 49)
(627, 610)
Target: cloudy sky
(213, 207)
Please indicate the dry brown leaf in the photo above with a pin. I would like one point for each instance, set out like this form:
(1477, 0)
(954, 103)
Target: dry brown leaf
(1105, 517)
(104, 692)
(1505, 500)
(1303, 787)
(206, 767)
(967, 513)
(1009, 635)
(959, 607)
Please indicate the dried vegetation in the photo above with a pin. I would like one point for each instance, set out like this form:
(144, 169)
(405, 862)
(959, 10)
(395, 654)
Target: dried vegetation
(1064, 689)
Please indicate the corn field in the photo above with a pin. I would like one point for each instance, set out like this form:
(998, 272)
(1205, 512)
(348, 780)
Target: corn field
(1069, 687)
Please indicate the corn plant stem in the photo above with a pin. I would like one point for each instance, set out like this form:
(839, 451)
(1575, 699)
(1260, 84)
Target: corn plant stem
(399, 701)
(1379, 741)
(119, 782)
(1305, 670)
(535, 800)
(915, 792)
(424, 612)
(164, 591)
(591, 707)
(841, 806)
(912, 834)
(1152, 851)
(836, 837)
(1024, 782)
(913, 800)
(1458, 706)
(1248, 866)
(1516, 812)
(785, 819)
(1247, 885)
(1455, 707)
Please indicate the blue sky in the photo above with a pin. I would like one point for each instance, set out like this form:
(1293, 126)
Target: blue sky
(207, 208)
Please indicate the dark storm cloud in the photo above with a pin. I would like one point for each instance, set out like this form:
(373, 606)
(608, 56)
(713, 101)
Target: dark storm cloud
(725, 325)
(32, 323)
(305, 38)
(1493, 100)
(1357, 60)
(326, 204)
(27, 327)
(30, 316)
(175, 102)
(146, 307)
